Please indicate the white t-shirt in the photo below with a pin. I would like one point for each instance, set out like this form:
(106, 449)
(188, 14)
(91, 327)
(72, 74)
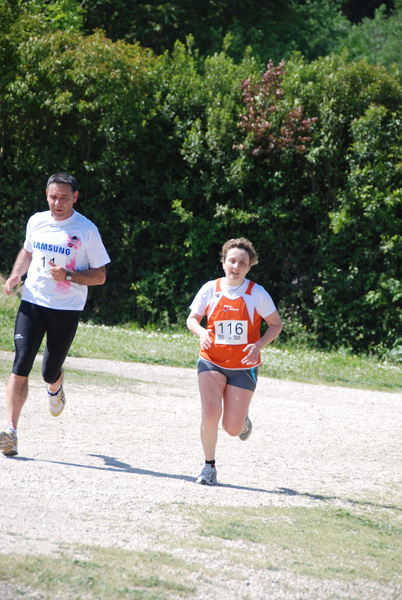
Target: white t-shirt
(260, 297)
(74, 244)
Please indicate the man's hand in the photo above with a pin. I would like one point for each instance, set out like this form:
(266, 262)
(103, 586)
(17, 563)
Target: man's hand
(57, 272)
(10, 283)
(20, 267)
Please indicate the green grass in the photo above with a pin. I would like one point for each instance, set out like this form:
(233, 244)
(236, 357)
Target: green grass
(180, 349)
(95, 572)
(78, 377)
(329, 542)
(356, 544)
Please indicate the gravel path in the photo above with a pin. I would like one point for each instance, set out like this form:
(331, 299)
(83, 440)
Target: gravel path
(99, 473)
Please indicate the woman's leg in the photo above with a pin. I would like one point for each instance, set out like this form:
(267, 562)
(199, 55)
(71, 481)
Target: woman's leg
(212, 385)
(236, 402)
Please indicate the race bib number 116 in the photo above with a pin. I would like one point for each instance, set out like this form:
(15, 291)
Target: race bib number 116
(231, 332)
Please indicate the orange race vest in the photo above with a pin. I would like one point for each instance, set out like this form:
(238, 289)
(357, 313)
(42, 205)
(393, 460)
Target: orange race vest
(232, 325)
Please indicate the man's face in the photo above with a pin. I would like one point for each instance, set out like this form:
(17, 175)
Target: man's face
(61, 200)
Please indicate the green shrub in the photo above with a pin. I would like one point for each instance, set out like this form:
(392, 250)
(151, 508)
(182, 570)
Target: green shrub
(168, 175)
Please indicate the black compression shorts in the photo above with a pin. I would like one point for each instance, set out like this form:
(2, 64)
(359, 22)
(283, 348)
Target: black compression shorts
(31, 324)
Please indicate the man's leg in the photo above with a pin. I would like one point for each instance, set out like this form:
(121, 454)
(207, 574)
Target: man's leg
(54, 387)
(28, 334)
(62, 327)
(17, 392)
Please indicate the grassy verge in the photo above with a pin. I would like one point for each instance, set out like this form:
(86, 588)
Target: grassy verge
(95, 572)
(180, 349)
(346, 544)
(359, 546)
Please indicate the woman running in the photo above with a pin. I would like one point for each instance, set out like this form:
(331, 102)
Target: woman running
(230, 347)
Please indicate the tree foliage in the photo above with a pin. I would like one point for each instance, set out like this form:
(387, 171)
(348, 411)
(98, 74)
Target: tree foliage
(269, 124)
(377, 39)
(176, 153)
(273, 29)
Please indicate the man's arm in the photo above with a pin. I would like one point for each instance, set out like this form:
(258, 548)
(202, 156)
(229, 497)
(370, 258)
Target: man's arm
(20, 267)
(87, 277)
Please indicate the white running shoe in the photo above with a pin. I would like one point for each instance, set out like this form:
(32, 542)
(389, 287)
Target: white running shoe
(208, 476)
(8, 442)
(247, 430)
(57, 402)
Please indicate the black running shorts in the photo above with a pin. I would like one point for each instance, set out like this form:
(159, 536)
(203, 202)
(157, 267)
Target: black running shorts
(31, 324)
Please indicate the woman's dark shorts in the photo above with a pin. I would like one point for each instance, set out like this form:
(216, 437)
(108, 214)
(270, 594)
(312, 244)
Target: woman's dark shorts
(245, 379)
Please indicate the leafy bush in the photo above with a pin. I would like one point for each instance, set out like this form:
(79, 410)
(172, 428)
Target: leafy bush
(175, 154)
(377, 39)
(272, 29)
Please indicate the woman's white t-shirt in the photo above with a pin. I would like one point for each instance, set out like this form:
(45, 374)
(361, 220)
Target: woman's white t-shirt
(262, 300)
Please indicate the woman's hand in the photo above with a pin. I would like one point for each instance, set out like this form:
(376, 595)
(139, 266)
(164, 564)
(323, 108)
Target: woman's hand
(252, 355)
(205, 340)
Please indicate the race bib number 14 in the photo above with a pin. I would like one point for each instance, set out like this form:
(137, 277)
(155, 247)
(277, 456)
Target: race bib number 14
(231, 332)
(41, 261)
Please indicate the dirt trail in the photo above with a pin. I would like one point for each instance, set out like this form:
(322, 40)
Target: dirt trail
(99, 473)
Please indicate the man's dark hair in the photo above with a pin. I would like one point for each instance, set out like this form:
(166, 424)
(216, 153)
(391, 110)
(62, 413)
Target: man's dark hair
(63, 178)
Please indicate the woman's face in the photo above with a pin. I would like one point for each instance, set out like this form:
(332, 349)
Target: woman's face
(236, 266)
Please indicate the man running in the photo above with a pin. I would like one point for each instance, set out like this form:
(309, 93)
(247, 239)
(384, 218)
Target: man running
(63, 254)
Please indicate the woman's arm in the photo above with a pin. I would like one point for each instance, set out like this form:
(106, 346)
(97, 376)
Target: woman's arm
(275, 326)
(193, 323)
